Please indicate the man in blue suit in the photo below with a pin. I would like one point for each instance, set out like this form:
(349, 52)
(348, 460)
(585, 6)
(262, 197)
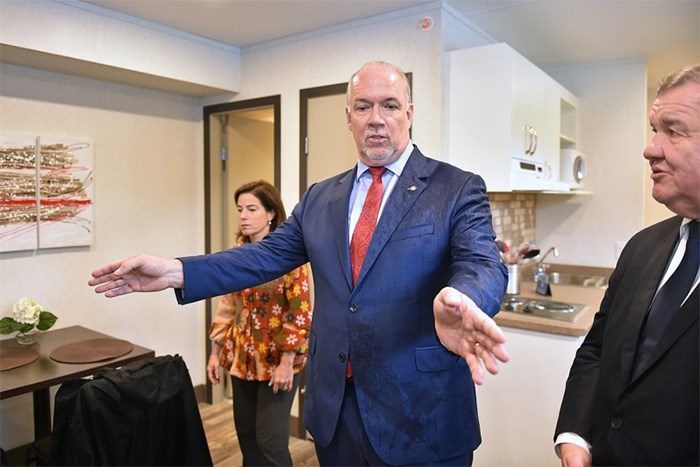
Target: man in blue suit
(386, 384)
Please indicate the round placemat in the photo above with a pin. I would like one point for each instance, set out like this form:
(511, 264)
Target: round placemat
(91, 350)
(13, 357)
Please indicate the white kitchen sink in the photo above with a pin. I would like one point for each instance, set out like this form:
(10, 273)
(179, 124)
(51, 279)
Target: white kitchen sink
(566, 274)
(582, 280)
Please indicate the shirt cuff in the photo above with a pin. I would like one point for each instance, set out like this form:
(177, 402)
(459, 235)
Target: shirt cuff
(180, 296)
(571, 438)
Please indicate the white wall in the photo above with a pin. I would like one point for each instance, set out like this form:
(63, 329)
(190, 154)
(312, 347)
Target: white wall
(612, 134)
(330, 56)
(97, 38)
(147, 147)
(148, 197)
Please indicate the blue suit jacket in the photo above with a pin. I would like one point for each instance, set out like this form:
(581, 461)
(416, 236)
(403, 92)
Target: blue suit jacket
(416, 398)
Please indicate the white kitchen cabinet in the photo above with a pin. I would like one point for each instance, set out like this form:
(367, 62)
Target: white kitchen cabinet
(518, 407)
(503, 118)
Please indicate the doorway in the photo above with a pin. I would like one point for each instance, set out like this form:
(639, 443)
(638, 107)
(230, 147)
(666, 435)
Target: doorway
(326, 145)
(241, 144)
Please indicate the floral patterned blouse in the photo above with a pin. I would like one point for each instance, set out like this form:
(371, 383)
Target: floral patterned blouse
(255, 326)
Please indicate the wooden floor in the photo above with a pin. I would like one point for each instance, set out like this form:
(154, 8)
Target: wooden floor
(223, 444)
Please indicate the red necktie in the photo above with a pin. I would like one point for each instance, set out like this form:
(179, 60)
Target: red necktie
(364, 230)
(367, 222)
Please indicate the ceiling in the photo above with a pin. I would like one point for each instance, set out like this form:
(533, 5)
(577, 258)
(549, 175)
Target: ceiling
(547, 32)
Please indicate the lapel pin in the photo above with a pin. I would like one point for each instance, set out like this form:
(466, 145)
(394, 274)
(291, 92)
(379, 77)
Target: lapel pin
(412, 188)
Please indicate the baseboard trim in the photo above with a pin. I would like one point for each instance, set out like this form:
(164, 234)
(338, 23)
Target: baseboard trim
(200, 393)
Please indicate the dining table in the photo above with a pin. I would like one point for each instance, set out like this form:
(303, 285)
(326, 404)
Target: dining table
(57, 356)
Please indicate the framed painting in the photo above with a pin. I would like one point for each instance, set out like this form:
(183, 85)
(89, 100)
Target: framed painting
(46, 192)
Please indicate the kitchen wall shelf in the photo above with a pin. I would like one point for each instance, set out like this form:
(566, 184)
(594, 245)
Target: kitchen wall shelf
(567, 193)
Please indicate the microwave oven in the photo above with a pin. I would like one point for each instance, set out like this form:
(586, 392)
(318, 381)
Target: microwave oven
(572, 168)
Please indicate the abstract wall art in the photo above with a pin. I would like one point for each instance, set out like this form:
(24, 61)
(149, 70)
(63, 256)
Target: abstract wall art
(46, 192)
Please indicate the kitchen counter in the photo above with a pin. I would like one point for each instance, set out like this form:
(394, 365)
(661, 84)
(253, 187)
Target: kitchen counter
(588, 296)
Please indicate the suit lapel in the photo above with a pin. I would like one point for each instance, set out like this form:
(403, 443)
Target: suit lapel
(339, 200)
(642, 294)
(686, 316)
(408, 188)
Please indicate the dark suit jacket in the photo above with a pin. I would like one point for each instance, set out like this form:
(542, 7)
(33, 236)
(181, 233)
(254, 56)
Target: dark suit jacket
(653, 419)
(416, 398)
(144, 413)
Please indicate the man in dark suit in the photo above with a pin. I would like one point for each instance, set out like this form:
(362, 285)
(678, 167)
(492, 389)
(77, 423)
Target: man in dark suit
(385, 381)
(632, 397)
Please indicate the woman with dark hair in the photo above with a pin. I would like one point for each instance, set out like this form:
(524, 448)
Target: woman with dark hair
(260, 336)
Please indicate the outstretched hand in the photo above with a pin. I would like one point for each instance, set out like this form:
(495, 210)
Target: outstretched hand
(467, 331)
(137, 274)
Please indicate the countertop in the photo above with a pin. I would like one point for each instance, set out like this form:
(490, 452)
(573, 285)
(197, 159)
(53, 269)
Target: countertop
(589, 296)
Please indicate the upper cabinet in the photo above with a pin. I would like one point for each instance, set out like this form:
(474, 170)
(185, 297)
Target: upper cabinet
(506, 119)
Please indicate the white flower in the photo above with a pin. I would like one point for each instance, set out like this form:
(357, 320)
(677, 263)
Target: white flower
(291, 340)
(27, 311)
(28, 315)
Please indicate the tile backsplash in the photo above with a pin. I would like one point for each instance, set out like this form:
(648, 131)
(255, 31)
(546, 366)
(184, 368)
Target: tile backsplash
(514, 216)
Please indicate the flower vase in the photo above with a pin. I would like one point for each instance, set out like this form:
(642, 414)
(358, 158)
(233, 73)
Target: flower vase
(27, 338)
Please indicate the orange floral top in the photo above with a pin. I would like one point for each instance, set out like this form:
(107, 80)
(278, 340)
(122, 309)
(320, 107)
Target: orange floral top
(255, 326)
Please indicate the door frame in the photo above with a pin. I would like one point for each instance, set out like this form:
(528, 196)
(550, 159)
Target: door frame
(208, 112)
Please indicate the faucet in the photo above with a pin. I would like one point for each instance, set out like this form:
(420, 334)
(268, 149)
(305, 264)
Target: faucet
(541, 268)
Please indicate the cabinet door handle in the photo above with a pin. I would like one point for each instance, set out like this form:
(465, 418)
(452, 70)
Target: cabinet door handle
(530, 140)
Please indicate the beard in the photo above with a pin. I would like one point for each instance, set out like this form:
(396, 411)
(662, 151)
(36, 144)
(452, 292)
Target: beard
(380, 154)
(383, 153)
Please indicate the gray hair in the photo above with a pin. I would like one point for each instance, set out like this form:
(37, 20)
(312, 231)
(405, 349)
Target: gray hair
(689, 74)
